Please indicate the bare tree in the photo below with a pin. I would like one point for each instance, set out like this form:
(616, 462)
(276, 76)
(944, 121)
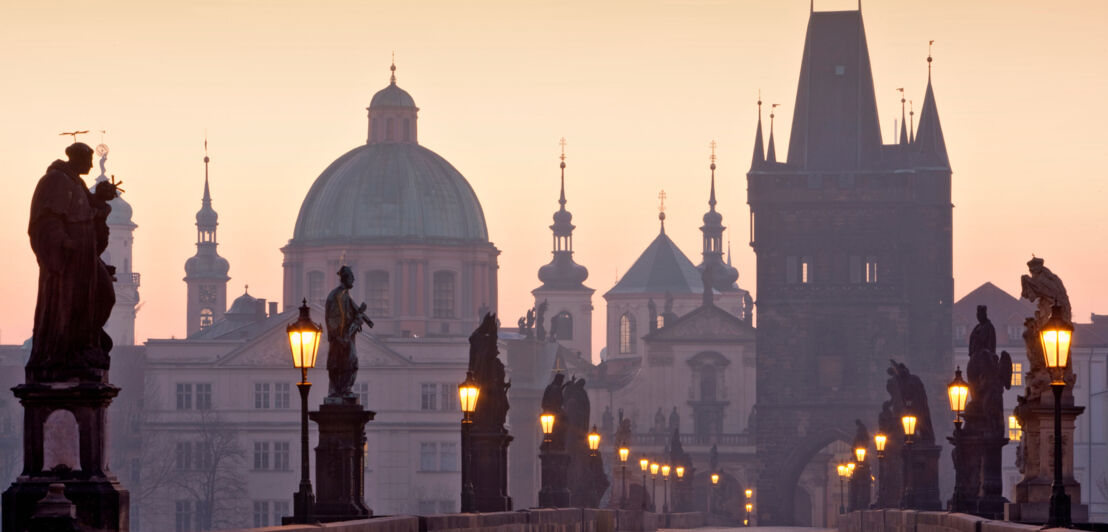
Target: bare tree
(215, 480)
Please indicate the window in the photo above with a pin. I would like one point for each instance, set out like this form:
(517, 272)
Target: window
(798, 269)
(261, 395)
(261, 455)
(443, 290)
(448, 456)
(281, 456)
(204, 396)
(427, 396)
(281, 395)
(1017, 374)
(361, 389)
(871, 270)
(805, 265)
(206, 318)
(261, 514)
(315, 287)
(280, 509)
(183, 516)
(449, 397)
(428, 456)
(183, 452)
(184, 396)
(659, 321)
(561, 325)
(626, 334)
(1014, 429)
(377, 293)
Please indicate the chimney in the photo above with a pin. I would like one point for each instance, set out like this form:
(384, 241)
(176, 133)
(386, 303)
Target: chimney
(272, 309)
(259, 312)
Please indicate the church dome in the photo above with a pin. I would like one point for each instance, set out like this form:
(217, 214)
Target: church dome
(389, 192)
(392, 96)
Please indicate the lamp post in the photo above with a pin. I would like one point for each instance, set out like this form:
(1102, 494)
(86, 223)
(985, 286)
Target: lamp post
(841, 470)
(624, 453)
(1055, 335)
(594, 442)
(554, 493)
(468, 391)
(304, 343)
(644, 464)
(879, 441)
(749, 496)
(908, 422)
(711, 491)
(958, 391)
(665, 489)
(749, 512)
(653, 484)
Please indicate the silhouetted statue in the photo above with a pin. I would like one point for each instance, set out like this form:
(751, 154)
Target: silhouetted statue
(484, 362)
(861, 435)
(713, 459)
(68, 232)
(652, 309)
(983, 337)
(553, 403)
(1046, 290)
(607, 424)
(344, 321)
(674, 421)
(988, 375)
(623, 434)
(659, 422)
(667, 313)
(909, 388)
(540, 317)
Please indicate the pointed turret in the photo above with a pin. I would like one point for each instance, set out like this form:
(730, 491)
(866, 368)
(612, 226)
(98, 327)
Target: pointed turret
(715, 275)
(903, 122)
(562, 273)
(929, 141)
(911, 123)
(771, 154)
(759, 148)
(835, 116)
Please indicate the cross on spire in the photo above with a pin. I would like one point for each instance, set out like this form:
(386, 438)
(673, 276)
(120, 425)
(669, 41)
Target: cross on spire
(392, 69)
(662, 209)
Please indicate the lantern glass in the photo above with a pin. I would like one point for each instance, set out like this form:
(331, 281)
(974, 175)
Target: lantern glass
(665, 471)
(715, 478)
(680, 470)
(860, 454)
(958, 392)
(909, 422)
(623, 454)
(1055, 337)
(644, 464)
(304, 339)
(547, 422)
(749, 507)
(654, 468)
(594, 439)
(879, 442)
(749, 493)
(468, 391)
(841, 469)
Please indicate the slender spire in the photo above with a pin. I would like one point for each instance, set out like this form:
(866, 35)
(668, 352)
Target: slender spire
(662, 210)
(929, 45)
(930, 140)
(771, 152)
(392, 70)
(712, 195)
(911, 123)
(759, 149)
(207, 201)
(562, 273)
(903, 122)
(562, 197)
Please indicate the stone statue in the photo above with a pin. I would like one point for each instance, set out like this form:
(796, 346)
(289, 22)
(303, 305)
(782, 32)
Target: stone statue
(674, 421)
(488, 370)
(983, 337)
(68, 231)
(553, 403)
(607, 423)
(1046, 290)
(861, 435)
(344, 321)
(652, 309)
(540, 317)
(577, 406)
(623, 434)
(988, 375)
(913, 396)
(659, 422)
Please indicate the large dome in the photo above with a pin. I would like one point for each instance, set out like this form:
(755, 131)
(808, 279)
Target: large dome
(390, 192)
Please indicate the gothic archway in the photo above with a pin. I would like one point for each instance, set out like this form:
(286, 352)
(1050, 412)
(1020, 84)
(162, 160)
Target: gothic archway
(779, 480)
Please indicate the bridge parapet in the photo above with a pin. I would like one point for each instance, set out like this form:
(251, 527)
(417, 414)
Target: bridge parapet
(916, 521)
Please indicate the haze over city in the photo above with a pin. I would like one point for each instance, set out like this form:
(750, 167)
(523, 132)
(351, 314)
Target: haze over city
(638, 89)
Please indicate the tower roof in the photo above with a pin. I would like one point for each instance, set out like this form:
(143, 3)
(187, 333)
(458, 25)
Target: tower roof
(562, 273)
(662, 267)
(835, 123)
(759, 148)
(929, 139)
(392, 95)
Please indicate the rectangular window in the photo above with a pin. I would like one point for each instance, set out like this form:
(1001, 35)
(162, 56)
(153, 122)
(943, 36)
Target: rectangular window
(427, 396)
(1014, 429)
(871, 270)
(261, 455)
(443, 295)
(449, 397)
(204, 396)
(361, 389)
(183, 451)
(428, 457)
(261, 395)
(261, 514)
(855, 269)
(184, 396)
(448, 456)
(202, 455)
(377, 293)
(280, 509)
(281, 455)
(805, 266)
(1017, 374)
(183, 515)
(281, 395)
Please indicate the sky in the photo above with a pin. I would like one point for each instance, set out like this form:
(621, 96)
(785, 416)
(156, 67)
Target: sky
(638, 89)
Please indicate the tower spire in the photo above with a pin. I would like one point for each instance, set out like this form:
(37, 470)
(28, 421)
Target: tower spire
(903, 122)
(207, 200)
(911, 123)
(662, 210)
(562, 197)
(759, 149)
(562, 272)
(392, 70)
(712, 194)
(771, 152)
(930, 140)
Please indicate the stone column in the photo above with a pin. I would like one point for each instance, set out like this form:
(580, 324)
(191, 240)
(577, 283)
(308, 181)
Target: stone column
(340, 462)
(860, 488)
(489, 471)
(555, 466)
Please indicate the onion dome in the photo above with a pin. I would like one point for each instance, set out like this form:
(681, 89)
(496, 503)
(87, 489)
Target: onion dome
(206, 264)
(244, 304)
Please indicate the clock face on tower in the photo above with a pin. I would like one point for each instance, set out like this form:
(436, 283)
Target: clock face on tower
(207, 293)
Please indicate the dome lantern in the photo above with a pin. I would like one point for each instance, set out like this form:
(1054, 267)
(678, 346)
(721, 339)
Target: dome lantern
(392, 114)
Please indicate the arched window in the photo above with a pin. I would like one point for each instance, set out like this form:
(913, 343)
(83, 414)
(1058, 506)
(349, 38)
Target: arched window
(377, 293)
(315, 287)
(562, 325)
(443, 295)
(389, 130)
(206, 318)
(626, 334)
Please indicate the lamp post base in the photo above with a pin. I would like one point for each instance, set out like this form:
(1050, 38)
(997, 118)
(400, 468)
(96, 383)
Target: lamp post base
(554, 492)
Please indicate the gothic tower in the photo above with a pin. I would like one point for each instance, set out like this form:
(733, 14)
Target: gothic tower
(121, 324)
(853, 244)
(206, 272)
(569, 300)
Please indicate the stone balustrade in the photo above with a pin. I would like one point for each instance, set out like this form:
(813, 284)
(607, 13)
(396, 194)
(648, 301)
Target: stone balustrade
(916, 521)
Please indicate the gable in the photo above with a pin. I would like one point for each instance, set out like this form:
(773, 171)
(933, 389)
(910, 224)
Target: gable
(705, 324)
(271, 348)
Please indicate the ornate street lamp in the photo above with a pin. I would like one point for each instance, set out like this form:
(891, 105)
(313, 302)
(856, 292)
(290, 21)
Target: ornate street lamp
(665, 489)
(908, 422)
(860, 454)
(715, 482)
(654, 484)
(749, 493)
(304, 344)
(468, 391)
(1056, 335)
(624, 453)
(594, 441)
(644, 464)
(546, 421)
(958, 392)
(842, 471)
(879, 441)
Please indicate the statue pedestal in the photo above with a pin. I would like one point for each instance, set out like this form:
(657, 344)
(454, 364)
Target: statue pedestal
(860, 487)
(490, 471)
(555, 469)
(340, 462)
(923, 477)
(1037, 451)
(65, 427)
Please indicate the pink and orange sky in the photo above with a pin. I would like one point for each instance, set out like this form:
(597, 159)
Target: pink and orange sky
(638, 88)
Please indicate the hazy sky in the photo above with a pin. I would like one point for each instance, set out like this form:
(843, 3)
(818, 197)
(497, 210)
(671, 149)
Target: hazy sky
(638, 89)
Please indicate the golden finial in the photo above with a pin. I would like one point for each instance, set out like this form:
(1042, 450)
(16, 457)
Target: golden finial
(562, 143)
(662, 201)
(392, 69)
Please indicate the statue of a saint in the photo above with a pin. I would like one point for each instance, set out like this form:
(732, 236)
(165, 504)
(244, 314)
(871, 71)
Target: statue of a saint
(674, 421)
(983, 336)
(344, 321)
(988, 375)
(484, 362)
(68, 232)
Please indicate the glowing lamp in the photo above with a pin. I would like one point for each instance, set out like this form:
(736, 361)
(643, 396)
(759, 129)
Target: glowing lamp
(623, 454)
(749, 493)
(680, 470)
(1055, 336)
(909, 422)
(468, 391)
(594, 439)
(547, 423)
(958, 391)
(860, 454)
(715, 479)
(304, 341)
(665, 471)
(749, 507)
(644, 464)
(879, 442)
(654, 468)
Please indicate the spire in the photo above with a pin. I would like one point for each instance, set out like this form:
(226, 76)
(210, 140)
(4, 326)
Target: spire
(207, 200)
(903, 122)
(759, 149)
(662, 210)
(712, 194)
(562, 197)
(562, 273)
(911, 123)
(392, 70)
(930, 140)
(771, 153)
(206, 218)
(714, 274)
